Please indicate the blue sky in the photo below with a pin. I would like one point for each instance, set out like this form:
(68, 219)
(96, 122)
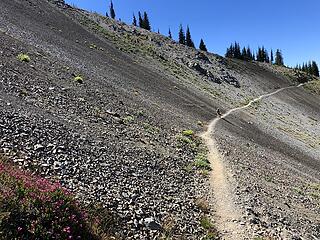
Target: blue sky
(290, 25)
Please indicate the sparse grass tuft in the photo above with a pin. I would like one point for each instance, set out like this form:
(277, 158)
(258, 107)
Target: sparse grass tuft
(313, 86)
(183, 139)
(128, 119)
(202, 162)
(23, 57)
(206, 223)
(187, 133)
(78, 79)
(209, 227)
(150, 129)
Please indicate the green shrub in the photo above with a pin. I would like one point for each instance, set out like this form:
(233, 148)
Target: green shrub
(202, 162)
(206, 223)
(128, 119)
(78, 79)
(23, 57)
(187, 133)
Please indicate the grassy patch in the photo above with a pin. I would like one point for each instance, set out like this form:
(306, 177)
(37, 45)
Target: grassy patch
(201, 161)
(246, 101)
(23, 57)
(206, 223)
(150, 129)
(78, 79)
(209, 227)
(187, 133)
(313, 86)
(128, 119)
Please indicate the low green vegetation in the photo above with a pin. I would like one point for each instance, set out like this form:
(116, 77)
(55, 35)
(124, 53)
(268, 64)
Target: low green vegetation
(313, 86)
(150, 129)
(201, 161)
(246, 101)
(23, 57)
(78, 79)
(128, 119)
(206, 223)
(187, 133)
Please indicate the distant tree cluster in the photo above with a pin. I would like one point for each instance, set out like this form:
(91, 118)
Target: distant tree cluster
(310, 67)
(186, 39)
(245, 53)
(234, 51)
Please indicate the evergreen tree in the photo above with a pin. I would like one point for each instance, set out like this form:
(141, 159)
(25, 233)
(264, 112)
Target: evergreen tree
(112, 12)
(237, 51)
(249, 54)
(141, 23)
(271, 57)
(182, 37)
(146, 22)
(134, 21)
(169, 34)
(244, 53)
(315, 69)
(189, 41)
(279, 58)
(202, 46)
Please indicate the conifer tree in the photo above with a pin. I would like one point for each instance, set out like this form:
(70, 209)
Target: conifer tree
(169, 34)
(146, 22)
(134, 20)
(249, 54)
(271, 57)
(237, 51)
(202, 46)
(182, 37)
(140, 20)
(279, 58)
(315, 69)
(112, 12)
(189, 41)
(244, 54)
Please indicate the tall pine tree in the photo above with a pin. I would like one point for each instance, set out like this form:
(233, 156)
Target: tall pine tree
(315, 69)
(146, 22)
(189, 41)
(134, 20)
(112, 12)
(182, 37)
(271, 57)
(141, 23)
(169, 34)
(279, 58)
(202, 46)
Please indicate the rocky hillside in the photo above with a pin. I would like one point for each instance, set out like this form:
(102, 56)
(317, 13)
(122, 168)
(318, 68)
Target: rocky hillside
(104, 107)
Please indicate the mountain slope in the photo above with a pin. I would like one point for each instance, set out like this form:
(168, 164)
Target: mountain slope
(117, 138)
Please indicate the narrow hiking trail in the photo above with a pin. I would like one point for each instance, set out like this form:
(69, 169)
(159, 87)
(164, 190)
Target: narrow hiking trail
(227, 215)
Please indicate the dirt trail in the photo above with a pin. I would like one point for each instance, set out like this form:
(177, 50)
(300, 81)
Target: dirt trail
(228, 215)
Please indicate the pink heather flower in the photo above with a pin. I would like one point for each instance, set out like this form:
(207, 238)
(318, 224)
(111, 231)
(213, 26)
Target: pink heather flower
(19, 229)
(67, 229)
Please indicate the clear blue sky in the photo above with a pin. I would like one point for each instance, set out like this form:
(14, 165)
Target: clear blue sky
(290, 25)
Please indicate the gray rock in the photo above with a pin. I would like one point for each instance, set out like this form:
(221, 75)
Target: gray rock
(152, 224)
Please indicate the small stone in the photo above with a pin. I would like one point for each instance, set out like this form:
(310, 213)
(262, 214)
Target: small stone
(152, 224)
(38, 147)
